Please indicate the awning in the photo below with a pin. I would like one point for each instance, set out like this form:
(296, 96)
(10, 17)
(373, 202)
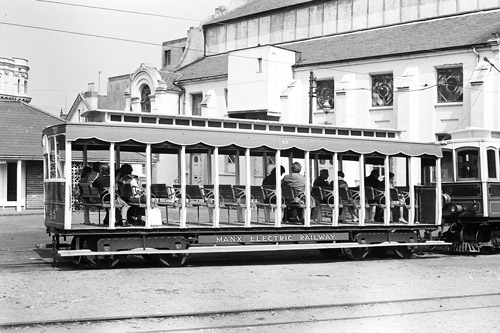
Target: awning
(222, 137)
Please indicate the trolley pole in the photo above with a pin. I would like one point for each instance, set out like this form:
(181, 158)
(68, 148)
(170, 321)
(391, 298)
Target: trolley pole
(311, 95)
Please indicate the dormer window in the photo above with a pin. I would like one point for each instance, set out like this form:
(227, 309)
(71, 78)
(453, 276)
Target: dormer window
(145, 101)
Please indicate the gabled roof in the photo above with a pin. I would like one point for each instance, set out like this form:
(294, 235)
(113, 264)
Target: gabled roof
(257, 7)
(21, 128)
(79, 98)
(459, 31)
(424, 36)
(206, 68)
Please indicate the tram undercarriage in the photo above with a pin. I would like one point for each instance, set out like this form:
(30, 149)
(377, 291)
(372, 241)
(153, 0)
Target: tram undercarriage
(473, 236)
(172, 250)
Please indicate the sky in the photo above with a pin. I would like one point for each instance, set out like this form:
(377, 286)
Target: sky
(62, 64)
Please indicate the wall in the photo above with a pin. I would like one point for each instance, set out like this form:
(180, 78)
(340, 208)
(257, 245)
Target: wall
(415, 110)
(115, 93)
(330, 17)
(217, 103)
(34, 185)
(254, 88)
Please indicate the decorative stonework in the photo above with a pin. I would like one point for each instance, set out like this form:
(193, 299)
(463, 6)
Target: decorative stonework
(14, 73)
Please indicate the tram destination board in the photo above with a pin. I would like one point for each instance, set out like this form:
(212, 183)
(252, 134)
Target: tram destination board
(273, 238)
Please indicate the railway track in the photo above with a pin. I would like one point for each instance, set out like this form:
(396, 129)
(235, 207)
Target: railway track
(271, 318)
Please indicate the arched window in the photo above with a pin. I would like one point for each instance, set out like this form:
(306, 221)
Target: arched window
(145, 101)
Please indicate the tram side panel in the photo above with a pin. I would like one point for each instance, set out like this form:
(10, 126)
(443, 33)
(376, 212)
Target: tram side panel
(426, 204)
(465, 202)
(54, 204)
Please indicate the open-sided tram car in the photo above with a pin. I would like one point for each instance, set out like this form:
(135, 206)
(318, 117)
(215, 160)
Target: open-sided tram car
(191, 224)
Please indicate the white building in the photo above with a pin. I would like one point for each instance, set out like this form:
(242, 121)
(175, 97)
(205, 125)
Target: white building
(424, 68)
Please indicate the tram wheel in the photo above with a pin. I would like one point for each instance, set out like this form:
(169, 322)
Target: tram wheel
(95, 261)
(356, 253)
(171, 260)
(331, 253)
(403, 252)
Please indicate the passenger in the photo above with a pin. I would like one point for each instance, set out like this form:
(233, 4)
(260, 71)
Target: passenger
(270, 180)
(103, 183)
(84, 175)
(298, 182)
(322, 180)
(373, 180)
(343, 184)
(95, 172)
(398, 203)
(126, 177)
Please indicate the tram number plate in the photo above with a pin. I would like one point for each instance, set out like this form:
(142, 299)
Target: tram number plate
(273, 238)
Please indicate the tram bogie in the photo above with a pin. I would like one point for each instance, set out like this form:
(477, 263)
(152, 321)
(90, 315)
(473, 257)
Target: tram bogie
(171, 221)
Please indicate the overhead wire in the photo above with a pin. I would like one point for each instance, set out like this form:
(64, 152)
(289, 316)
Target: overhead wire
(425, 85)
(118, 10)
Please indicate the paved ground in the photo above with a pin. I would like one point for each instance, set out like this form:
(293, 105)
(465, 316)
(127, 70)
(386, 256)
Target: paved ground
(286, 292)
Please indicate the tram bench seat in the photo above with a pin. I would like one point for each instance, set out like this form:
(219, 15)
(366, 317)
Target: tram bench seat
(90, 197)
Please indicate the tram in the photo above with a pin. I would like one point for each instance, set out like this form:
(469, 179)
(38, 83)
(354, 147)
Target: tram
(471, 190)
(228, 209)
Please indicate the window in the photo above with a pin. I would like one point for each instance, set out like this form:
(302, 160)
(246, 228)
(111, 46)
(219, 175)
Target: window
(230, 164)
(196, 104)
(382, 90)
(467, 163)
(450, 85)
(492, 166)
(324, 93)
(168, 57)
(259, 65)
(145, 101)
(447, 166)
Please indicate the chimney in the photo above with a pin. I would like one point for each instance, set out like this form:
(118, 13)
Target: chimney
(91, 87)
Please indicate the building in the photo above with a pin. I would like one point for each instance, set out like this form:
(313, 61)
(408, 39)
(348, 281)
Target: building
(425, 68)
(21, 125)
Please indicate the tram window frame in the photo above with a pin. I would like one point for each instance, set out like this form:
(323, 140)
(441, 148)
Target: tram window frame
(447, 165)
(473, 169)
(491, 162)
(55, 157)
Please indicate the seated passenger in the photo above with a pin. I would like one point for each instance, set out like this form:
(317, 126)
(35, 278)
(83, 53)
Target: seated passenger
(270, 180)
(126, 177)
(343, 184)
(298, 182)
(103, 184)
(322, 180)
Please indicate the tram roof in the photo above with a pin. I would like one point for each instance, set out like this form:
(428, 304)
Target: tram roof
(276, 136)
